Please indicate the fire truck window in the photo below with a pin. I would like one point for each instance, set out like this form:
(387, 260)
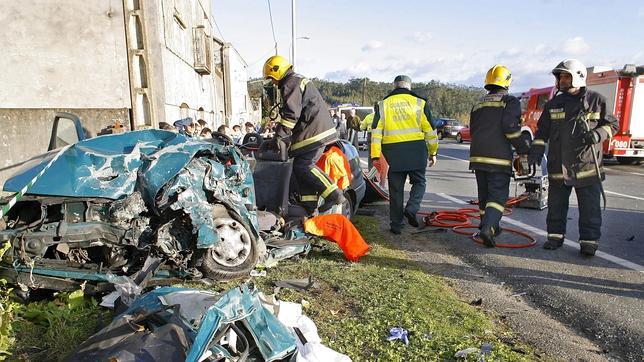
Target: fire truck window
(524, 104)
(541, 101)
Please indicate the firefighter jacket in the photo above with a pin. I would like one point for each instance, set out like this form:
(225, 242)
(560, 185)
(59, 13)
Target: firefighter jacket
(403, 132)
(565, 120)
(495, 126)
(304, 115)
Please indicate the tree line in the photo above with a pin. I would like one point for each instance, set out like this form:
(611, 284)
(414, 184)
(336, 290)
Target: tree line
(446, 100)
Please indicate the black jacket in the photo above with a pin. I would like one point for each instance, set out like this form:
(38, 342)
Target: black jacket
(570, 161)
(305, 115)
(495, 126)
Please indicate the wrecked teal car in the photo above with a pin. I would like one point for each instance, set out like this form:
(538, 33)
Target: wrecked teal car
(106, 204)
(178, 324)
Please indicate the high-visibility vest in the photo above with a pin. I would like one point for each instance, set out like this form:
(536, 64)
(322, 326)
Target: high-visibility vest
(402, 119)
(365, 125)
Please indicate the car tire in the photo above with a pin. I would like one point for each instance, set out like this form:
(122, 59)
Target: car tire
(348, 207)
(440, 135)
(459, 138)
(221, 263)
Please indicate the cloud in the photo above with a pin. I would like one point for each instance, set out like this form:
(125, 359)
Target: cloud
(372, 45)
(575, 46)
(420, 37)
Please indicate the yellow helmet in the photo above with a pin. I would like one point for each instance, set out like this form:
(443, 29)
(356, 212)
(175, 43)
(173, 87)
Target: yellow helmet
(498, 75)
(275, 67)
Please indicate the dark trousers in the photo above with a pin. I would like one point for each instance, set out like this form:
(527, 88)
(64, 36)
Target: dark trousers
(493, 189)
(312, 182)
(590, 216)
(397, 194)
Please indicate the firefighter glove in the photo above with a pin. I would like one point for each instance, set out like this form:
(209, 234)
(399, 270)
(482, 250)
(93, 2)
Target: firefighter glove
(535, 156)
(591, 137)
(283, 134)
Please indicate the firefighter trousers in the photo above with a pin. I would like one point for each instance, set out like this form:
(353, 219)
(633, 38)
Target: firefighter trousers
(397, 194)
(493, 189)
(590, 216)
(312, 182)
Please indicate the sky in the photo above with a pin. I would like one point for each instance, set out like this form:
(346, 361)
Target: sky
(449, 41)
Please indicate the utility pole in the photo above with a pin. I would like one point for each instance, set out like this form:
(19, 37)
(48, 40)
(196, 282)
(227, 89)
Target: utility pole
(364, 90)
(293, 33)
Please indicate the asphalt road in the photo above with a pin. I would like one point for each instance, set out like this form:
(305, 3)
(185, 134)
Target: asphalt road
(601, 298)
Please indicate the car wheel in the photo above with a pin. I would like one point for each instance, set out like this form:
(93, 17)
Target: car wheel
(459, 138)
(348, 207)
(234, 256)
(440, 135)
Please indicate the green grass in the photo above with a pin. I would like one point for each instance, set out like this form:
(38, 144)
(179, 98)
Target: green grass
(354, 305)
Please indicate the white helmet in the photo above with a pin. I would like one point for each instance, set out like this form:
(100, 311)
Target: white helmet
(575, 68)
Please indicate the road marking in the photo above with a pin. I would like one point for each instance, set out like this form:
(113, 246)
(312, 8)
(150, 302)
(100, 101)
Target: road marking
(614, 259)
(623, 195)
(622, 171)
(454, 158)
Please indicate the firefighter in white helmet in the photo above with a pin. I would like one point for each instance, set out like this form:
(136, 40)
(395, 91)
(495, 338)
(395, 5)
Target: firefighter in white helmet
(574, 123)
(495, 127)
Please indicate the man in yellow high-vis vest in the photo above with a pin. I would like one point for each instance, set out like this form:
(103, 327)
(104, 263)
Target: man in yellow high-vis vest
(404, 134)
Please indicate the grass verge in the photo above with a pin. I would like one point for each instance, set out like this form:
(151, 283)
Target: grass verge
(354, 305)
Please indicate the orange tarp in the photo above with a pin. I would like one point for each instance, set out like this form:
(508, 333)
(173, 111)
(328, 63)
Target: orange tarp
(339, 229)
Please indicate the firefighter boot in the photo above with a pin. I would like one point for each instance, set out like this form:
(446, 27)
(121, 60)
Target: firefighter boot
(587, 247)
(487, 235)
(411, 218)
(555, 241)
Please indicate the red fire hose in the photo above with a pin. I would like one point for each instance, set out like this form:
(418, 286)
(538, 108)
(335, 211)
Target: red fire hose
(460, 220)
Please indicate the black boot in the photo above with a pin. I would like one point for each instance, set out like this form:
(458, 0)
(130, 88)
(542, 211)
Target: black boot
(587, 248)
(487, 235)
(553, 243)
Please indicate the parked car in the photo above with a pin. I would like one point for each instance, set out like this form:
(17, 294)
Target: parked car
(463, 135)
(446, 127)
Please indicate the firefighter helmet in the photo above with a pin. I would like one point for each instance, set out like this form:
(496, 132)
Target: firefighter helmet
(276, 66)
(498, 75)
(576, 69)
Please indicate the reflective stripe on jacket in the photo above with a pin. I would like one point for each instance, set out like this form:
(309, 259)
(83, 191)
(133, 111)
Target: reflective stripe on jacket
(402, 119)
(495, 126)
(569, 160)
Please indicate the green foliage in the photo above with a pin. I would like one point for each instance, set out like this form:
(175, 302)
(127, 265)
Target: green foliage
(49, 330)
(447, 100)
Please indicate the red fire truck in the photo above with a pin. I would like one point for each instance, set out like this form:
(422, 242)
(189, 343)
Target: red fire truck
(624, 92)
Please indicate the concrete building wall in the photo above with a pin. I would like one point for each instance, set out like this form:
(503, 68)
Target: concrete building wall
(241, 109)
(63, 53)
(26, 132)
(182, 84)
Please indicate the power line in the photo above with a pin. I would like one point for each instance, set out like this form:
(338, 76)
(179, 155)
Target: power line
(270, 14)
(219, 30)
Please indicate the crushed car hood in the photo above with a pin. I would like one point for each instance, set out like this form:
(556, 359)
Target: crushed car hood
(161, 165)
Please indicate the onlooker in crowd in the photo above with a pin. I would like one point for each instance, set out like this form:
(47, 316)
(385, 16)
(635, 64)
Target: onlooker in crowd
(236, 134)
(341, 127)
(353, 127)
(206, 132)
(249, 128)
(223, 129)
(335, 118)
(185, 126)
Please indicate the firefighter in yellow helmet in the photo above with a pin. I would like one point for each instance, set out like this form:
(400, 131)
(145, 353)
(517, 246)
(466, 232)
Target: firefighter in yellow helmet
(403, 133)
(495, 125)
(305, 126)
